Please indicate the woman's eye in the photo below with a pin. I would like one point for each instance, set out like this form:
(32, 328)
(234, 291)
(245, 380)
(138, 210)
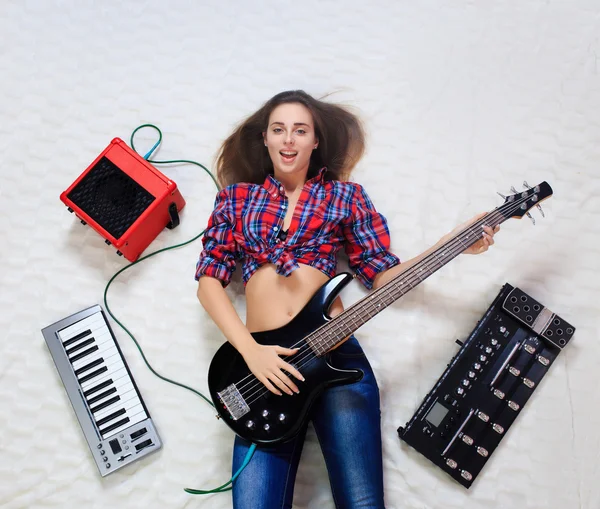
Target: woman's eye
(301, 131)
(277, 130)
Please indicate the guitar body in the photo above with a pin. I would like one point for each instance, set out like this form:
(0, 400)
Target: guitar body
(259, 415)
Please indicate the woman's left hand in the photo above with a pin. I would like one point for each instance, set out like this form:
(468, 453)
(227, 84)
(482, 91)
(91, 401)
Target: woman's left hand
(483, 244)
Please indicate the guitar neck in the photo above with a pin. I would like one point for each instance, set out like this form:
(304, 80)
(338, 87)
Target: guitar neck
(356, 315)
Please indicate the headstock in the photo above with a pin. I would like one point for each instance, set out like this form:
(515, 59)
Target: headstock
(518, 204)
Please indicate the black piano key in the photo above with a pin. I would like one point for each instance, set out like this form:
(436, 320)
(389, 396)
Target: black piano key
(105, 404)
(101, 396)
(76, 338)
(114, 426)
(91, 365)
(110, 417)
(98, 387)
(81, 345)
(83, 354)
(93, 374)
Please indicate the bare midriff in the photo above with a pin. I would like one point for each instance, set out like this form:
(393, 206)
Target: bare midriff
(273, 300)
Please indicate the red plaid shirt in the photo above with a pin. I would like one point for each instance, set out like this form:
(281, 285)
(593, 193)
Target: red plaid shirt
(247, 219)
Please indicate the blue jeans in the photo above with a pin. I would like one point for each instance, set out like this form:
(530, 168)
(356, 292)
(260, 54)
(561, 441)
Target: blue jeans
(346, 419)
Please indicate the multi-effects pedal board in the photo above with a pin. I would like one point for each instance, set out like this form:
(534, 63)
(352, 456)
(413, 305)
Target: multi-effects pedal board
(464, 417)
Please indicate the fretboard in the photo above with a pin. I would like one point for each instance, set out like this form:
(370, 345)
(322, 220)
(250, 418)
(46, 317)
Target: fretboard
(344, 324)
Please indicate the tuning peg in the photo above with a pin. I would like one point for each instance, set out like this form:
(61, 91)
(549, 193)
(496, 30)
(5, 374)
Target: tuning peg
(530, 217)
(526, 185)
(501, 195)
(512, 188)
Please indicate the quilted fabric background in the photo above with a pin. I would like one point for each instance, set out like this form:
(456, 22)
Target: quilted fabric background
(460, 99)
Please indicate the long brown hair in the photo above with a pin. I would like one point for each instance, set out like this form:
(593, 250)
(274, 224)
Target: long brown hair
(243, 156)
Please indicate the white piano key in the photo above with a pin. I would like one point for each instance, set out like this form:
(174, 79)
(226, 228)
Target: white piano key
(117, 372)
(138, 416)
(127, 400)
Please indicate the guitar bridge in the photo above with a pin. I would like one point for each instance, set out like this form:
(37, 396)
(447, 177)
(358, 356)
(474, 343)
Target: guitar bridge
(233, 401)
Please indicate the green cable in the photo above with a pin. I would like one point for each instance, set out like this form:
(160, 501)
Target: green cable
(221, 488)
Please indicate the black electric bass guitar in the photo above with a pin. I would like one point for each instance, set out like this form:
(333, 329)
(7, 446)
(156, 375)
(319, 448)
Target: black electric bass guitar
(258, 415)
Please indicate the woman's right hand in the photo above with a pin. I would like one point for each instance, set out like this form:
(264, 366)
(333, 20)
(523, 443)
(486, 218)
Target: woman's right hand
(266, 364)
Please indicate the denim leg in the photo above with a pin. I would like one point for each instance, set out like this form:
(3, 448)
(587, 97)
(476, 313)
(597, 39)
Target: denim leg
(268, 480)
(347, 421)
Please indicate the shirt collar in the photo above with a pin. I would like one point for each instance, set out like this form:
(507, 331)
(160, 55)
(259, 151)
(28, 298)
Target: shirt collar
(274, 187)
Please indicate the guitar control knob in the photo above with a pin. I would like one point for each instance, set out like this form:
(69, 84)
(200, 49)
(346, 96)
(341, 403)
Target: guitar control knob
(250, 424)
(267, 427)
(282, 417)
(265, 414)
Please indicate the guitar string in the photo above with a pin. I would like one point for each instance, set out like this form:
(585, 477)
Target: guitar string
(456, 242)
(310, 355)
(316, 333)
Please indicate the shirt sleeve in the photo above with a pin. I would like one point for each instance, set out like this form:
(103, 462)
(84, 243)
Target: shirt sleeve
(367, 239)
(217, 259)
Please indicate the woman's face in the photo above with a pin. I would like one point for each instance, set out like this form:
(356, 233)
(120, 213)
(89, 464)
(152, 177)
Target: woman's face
(290, 138)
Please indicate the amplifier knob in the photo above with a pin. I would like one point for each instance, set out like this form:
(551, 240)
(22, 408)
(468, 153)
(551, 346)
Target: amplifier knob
(467, 440)
(482, 358)
(529, 349)
(482, 452)
(451, 463)
(488, 350)
(466, 475)
(498, 393)
(459, 391)
(494, 342)
(477, 366)
(471, 374)
(502, 330)
(465, 383)
(514, 371)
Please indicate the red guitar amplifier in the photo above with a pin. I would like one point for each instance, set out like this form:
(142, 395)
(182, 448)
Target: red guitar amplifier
(125, 199)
